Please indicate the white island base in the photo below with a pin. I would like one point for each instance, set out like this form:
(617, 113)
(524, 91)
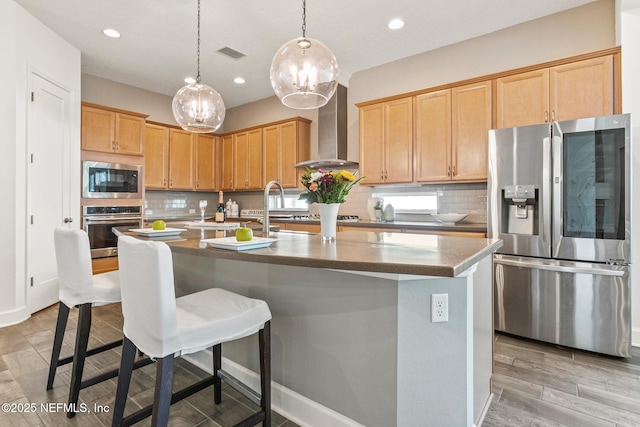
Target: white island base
(356, 348)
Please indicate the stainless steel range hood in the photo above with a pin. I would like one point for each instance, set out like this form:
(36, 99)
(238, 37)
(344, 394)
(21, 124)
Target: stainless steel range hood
(332, 135)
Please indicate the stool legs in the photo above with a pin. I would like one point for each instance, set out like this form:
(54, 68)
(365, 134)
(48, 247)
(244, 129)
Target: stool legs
(61, 324)
(264, 338)
(217, 365)
(163, 391)
(124, 379)
(79, 356)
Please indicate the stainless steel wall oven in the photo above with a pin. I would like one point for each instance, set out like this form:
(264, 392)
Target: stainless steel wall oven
(98, 222)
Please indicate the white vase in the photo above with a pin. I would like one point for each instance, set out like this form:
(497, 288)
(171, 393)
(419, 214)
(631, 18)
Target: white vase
(328, 220)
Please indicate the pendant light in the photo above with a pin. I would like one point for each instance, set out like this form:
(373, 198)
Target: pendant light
(304, 72)
(197, 107)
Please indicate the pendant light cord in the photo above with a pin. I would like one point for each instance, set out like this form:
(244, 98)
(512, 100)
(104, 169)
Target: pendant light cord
(198, 52)
(304, 18)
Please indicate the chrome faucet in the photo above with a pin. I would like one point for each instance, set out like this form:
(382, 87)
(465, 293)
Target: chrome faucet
(265, 220)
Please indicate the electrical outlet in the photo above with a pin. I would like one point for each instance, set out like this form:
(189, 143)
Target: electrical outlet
(439, 308)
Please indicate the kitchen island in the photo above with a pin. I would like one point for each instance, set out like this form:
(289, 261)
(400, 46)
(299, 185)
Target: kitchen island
(352, 337)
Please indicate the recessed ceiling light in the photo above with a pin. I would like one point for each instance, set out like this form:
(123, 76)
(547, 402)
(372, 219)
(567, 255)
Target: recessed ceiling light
(189, 80)
(395, 24)
(238, 80)
(111, 33)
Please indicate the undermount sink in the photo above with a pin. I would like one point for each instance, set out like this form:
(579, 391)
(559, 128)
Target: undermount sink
(449, 218)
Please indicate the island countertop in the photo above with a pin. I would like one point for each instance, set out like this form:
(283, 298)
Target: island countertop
(398, 253)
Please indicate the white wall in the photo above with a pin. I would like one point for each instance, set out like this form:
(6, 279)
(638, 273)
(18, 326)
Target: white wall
(629, 31)
(27, 46)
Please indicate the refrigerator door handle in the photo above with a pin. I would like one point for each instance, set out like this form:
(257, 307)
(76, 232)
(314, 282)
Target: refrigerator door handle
(559, 268)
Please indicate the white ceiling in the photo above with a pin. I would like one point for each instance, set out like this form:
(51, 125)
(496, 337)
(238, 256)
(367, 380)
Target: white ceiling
(157, 49)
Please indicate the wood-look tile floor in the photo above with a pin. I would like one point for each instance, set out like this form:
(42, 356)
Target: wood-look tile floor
(25, 351)
(539, 384)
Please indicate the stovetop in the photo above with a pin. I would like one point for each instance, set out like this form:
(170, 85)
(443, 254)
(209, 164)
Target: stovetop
(315, 217)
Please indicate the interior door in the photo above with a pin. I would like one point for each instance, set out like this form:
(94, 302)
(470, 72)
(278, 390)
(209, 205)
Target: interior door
(48, 192)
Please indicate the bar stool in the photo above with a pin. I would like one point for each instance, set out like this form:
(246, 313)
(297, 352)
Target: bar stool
(164, 327)
(79, 288)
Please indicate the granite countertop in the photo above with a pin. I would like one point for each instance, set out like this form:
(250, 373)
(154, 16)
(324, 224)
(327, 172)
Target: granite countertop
(398, 253)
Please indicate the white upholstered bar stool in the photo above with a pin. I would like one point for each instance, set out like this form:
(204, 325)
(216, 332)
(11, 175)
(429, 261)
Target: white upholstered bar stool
(79, 288)
(164, 327)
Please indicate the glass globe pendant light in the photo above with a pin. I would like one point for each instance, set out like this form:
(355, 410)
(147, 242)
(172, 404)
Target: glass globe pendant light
(197, 107)
(304, 72)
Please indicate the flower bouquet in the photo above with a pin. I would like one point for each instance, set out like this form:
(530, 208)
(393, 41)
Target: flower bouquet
(327, 186)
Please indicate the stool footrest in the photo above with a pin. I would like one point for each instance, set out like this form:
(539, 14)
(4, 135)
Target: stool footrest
(112, 374)
(240, 387)
(253, 420)
(91, 352)
(175, 397)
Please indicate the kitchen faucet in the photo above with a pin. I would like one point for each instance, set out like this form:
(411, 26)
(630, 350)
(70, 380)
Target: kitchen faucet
(265, 220)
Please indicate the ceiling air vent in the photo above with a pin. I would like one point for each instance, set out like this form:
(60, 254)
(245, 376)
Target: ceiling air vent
(231, 53)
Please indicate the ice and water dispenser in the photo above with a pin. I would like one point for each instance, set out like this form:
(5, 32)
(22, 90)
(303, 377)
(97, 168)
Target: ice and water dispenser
(520, 209)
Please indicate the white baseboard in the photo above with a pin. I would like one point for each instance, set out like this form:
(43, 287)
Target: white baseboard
(13, 317)
(485, 409)
(294, 406)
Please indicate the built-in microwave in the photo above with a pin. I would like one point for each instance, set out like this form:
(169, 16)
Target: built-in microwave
(102, 180)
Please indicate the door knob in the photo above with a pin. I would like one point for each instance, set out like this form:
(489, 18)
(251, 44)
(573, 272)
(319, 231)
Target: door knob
(68, 220)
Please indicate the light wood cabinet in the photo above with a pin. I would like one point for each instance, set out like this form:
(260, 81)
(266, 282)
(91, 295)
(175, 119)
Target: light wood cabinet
(156, 157)
(310, 228)
(372, 229)
(181, 160)
(111, 131)
(248, 160)
(451, 128)
(227, 163)
(205, 178)
(432, 136)
(284, 145)
(475, 234)
(565, 92)
(470, 124)
(386, 142)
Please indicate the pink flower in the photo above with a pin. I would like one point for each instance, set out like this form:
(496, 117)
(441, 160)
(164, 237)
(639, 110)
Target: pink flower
(313, 186)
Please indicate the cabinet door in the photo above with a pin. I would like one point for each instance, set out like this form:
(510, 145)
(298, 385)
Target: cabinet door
(98, 130)
(129, 134)
(156, 157)
(241, 152)
(371, 128)
(470, 124)
(254, 159)
(288, 155)
(181, 160)
(309, 228)
(433, 136)
(582, 89)
(227, 163)
(522, 99)
(271, 153)
(205, 174)
(398, 135)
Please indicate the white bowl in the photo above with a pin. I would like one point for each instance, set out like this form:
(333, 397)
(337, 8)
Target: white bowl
(449, 217)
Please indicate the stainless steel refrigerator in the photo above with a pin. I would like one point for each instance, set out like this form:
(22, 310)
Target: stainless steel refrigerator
(559, 197)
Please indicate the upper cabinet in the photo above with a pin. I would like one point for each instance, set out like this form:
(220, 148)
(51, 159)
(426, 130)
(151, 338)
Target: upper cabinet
(112, 131)
(248, 160)
(283, 146)
(227, 162)
(565, 92)
(205, 148)
(451, 130)
(156, 157)
(386, 142)
(470, 125)
(181, 160)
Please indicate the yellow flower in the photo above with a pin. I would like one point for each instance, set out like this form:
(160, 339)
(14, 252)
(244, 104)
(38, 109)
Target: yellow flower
(347, 175)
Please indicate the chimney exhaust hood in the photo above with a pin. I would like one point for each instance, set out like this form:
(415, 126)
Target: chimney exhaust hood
(332, 135)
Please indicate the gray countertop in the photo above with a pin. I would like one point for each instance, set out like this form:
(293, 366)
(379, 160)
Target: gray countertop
(399, 253)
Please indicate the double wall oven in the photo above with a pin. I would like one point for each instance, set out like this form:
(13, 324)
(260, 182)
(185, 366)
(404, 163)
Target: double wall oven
(112, 197)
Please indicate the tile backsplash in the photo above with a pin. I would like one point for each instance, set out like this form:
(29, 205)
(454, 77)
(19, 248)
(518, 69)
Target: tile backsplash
(459, 198)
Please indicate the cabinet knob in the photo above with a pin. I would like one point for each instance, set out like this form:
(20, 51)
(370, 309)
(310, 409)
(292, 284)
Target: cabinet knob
(68, 220)
(546, 117)
(553, 115)
(454, 171)
(448, 170)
